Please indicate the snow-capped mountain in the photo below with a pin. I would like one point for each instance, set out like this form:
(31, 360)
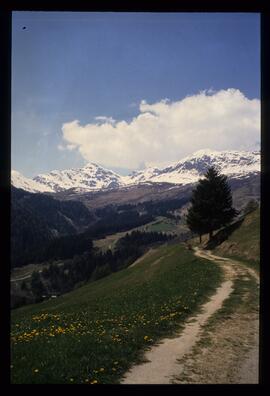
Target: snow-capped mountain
(92, 177)
(20, 181)
(190, 169)
(88, 178)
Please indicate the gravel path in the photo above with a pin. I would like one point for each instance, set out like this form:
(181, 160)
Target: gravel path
(162, 362)
(166, 361)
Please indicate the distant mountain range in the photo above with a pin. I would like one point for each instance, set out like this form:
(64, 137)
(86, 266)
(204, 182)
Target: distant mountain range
(63, 204)
(93, 177)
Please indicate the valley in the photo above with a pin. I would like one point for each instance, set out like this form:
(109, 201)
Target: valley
(106, 279)
(134, 197)
(111, 330)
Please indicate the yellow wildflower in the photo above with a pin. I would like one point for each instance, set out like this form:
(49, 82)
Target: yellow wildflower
(93, 382)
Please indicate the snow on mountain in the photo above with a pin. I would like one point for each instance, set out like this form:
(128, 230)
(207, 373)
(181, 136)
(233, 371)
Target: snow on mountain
(92, 177)
(20, 181)
(88, 178)
(190, 169)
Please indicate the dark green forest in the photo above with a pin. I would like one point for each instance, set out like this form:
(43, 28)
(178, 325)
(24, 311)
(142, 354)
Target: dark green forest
(44, 228)
(59, 278)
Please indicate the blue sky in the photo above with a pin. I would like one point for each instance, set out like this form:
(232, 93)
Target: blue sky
(78, 66)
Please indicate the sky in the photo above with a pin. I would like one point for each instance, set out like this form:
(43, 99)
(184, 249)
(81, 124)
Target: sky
(129, 90)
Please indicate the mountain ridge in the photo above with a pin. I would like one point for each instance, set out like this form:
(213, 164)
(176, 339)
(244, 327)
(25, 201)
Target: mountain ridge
(93, 177)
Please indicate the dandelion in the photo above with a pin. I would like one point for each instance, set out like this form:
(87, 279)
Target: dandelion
(101, 369)
(145, 337)
(71, 379)
(93, 382)
(36, 370)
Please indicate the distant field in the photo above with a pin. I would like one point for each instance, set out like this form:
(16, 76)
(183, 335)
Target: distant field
(161, 224)
(109, 242)
(95, 333)
(26, 271)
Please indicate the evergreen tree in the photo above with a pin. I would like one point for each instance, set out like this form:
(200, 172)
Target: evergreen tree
(211, 204)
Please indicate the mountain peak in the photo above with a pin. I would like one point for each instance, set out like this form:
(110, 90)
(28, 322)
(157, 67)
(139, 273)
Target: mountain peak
(20, 181)
(202, 152)
(91, 165)
(93, 177)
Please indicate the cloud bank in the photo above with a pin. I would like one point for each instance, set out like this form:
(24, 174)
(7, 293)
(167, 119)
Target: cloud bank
(168, 131)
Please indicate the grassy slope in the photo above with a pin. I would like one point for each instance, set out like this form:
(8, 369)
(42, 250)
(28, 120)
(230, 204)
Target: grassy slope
(160, 224)
(96, 332)
(244, 243)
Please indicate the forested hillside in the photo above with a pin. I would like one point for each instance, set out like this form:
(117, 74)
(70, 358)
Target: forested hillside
(46, 228)
(37, 220)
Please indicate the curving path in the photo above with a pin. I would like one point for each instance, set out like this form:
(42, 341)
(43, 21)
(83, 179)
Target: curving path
(162, 361)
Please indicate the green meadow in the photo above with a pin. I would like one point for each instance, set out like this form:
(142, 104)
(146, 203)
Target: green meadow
(95, 333)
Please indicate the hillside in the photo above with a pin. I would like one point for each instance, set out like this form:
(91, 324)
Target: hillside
(63, 217)
(242, 240)
(38, 219)
(95, 333)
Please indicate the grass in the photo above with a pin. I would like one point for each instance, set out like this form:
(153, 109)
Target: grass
(109, 242)
(253, 264)
(242, 302)
(237, 300)
(95, 333)
(161, 224)
(27, 270)
(244, 298)
(244, 243)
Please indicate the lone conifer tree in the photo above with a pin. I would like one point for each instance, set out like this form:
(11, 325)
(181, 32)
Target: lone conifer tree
(211, 204)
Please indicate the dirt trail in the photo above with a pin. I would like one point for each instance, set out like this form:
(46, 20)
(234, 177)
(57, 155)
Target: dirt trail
(232, 263)
(162, 362)
(165, 361)
(232, 356)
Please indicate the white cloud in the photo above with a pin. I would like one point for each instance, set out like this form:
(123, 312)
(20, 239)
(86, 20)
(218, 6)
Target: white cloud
(61, 147)
(168, 131)
(105, 119)
(71, 147)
